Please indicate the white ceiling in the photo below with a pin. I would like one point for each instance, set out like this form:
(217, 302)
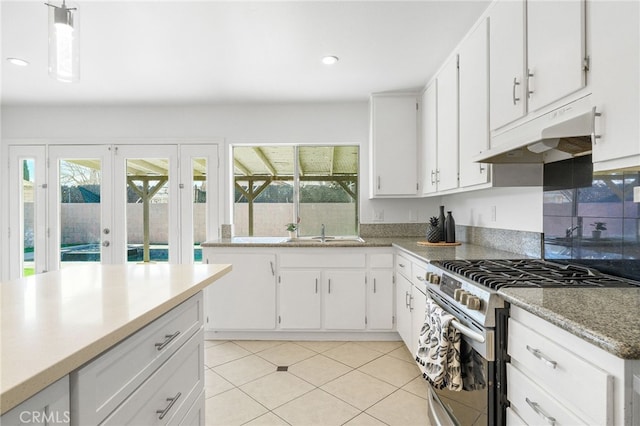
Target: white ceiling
(208, 52)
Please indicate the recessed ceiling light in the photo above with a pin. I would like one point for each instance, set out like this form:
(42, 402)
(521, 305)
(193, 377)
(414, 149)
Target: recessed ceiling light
(329, 60)
(18, 61)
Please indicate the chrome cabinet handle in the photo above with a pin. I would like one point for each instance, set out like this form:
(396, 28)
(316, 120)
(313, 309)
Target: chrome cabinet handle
(406, 299)
(316, 286)
(273, 271)
(378, 182)
(433, 177)
(410, 303)
(171, 401)
(437, 176)
(482, 168)
(401, 265)
(374, 285)
(536, 407)
(594, 137)
(513, 91)
(535, 352)
(529, 91)
(167, 339)
(420, 278)
(329, 286)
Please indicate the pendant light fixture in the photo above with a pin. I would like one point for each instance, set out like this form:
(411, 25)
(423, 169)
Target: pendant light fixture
(64, 38)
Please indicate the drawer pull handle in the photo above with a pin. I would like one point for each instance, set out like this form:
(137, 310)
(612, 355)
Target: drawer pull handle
(420, 278)
(167, 339)
(538, 354)
(401, 265)
(171, 401)
(536, 407)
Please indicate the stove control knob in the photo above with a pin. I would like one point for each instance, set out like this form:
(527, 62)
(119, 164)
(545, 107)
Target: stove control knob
(457, 294)
(464, 297)
(473, 303)
(435, 279)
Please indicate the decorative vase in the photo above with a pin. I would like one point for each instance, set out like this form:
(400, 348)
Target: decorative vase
(450, 229)
(292, 235)
(441, 224)
(433, 233)
(596, 234)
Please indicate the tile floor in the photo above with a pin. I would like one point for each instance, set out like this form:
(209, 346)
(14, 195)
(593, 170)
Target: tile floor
(326, 383)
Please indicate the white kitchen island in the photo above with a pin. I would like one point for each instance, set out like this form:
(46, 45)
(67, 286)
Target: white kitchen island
(57, 324)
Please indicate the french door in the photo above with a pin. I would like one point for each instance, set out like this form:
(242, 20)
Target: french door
(110, 204)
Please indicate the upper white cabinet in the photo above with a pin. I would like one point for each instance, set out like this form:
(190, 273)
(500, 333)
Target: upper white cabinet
(551, 67)
(614, 78)
(474, 105)
(447, 119)
(429, 138)
(394, 127)
(507, 62)
(556, 50)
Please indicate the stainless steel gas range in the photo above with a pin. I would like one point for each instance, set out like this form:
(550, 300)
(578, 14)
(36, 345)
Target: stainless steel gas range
(467, 289)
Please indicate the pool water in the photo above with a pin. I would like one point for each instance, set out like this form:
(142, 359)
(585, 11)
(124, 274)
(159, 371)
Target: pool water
(91, 253)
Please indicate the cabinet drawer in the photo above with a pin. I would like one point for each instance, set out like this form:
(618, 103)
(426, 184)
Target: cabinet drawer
(403, 266)
(381, 260)
(313, 259)
(567, 376)
(169, 393)
(418, 275)
(101, 385)
(533, 404)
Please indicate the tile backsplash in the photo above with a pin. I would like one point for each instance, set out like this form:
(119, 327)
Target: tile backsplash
(592, 219)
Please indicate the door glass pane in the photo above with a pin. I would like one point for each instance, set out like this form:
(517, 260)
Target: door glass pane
(147, 209)
(27, 212)
(79, 183)
(199, 173)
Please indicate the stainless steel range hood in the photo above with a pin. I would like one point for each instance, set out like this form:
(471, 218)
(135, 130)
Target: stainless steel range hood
(563, 133)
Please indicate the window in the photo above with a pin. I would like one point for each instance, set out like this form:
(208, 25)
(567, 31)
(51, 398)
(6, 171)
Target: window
(312, 185)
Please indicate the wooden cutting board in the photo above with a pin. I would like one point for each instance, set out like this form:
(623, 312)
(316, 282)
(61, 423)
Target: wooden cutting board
(440, 244)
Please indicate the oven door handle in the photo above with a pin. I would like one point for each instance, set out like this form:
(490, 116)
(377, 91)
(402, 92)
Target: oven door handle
(466, 331)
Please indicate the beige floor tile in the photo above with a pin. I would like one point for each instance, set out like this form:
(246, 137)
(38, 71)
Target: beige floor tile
(209, 343)
(382, 346)
(245, 369)
(418, 386)
(255, 346)
(402, 353)
(352, 354)
(231, 408)
(391, 370)
(363, 419)
(268, 419)
(401, 408)
(277, 388)
(320, 346)
(316, 408)
(319, 369)
(220, 354)
(359, 389)
(286, 354)
(215, 384)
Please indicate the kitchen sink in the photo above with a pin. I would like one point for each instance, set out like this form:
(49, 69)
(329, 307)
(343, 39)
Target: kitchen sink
(327, 240)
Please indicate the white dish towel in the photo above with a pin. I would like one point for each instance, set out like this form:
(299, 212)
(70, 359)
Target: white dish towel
(439, 349)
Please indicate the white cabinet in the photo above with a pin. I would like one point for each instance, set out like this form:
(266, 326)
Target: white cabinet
(447, 118)
(411, 299)
(244, 299)
(551, 67)
(474, 105)
(507, 62)
(555, 374)
(300, 299)
(404, 322)
(344, 303)
(380, 300)
(614, 77)
(394, 144)
(555, 50)
(50, 406)
(429, 138)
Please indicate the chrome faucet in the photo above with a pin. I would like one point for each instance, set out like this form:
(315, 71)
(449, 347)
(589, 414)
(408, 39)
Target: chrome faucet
(323, 238)
(569, 231)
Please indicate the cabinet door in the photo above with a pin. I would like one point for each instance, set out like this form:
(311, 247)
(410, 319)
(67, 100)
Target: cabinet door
(506, 40)
(344, 303)
(429, 138)
(380, 309)
(49, 406)
(556, 49)
(448, 125)
(299, 300)
(474, 105)
(403, 315)
(394, 147)
(615, 75)
(417, 306)
(246, 297)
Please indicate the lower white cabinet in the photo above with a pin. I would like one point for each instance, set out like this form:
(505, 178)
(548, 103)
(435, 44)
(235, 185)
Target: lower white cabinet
(300, 296)
(404, 322)
(244, 299)
(555, 377)
(380, 297)
(411, 300)
(47, 407)
(344, 307)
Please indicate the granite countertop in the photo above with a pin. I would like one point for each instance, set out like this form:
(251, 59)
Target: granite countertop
(53, 323)
(302, 242)
(463, 251)
(605, 317)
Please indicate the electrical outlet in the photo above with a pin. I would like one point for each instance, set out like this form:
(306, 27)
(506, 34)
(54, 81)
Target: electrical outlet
(493, 213)
(378, 215)
(636, 194)
(413, 215)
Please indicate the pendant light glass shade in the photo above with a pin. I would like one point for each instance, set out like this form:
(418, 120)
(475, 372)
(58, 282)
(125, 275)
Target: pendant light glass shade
(64, 43)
